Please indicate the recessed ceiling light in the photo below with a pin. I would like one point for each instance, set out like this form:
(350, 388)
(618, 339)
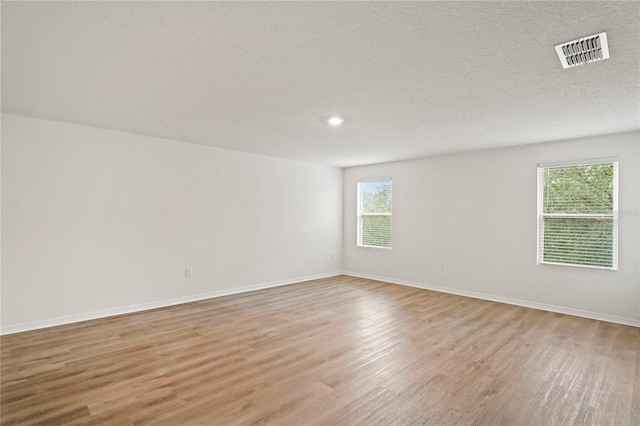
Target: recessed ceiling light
(336, 121)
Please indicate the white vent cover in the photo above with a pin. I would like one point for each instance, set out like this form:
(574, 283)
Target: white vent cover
(583, 50)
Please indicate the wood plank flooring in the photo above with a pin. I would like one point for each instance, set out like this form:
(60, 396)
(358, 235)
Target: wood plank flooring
(337, 351)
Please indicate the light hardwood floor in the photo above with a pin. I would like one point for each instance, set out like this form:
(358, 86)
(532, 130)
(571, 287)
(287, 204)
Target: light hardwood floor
(338, 351)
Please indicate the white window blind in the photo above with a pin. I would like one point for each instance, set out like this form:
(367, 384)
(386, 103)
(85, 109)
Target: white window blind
(578, 214)
(374, 213)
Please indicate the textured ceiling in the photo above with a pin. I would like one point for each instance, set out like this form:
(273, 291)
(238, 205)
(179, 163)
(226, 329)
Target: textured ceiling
(411, 79)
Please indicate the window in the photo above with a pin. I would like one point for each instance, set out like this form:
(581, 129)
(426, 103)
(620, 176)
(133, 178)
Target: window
(374, 213)
(578, 214)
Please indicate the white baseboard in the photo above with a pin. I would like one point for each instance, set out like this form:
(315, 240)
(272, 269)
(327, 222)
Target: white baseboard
(518, 302)
(34, 325)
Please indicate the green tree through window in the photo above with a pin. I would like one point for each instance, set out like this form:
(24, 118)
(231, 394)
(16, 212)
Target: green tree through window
(577, 215)
(374, 213)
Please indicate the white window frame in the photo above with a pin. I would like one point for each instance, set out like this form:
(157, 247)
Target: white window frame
(360, 214)
(613, 215)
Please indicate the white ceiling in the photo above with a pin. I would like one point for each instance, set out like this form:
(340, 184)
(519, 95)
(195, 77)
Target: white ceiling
(410, 79)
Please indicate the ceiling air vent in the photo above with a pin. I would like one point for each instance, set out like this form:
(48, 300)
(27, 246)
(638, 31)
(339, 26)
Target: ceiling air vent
(583, 50)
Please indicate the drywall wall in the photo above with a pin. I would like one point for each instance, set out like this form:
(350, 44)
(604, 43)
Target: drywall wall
(475, 215)
(98, 222)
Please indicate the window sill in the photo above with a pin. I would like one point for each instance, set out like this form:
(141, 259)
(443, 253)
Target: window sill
(601, 268)
(374, 247)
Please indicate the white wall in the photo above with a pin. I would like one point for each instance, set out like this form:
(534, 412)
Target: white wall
(476, 213)
(95, 221)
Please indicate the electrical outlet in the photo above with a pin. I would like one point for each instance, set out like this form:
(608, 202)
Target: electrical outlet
(187, 273)
(332, 256)
(442, 266)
